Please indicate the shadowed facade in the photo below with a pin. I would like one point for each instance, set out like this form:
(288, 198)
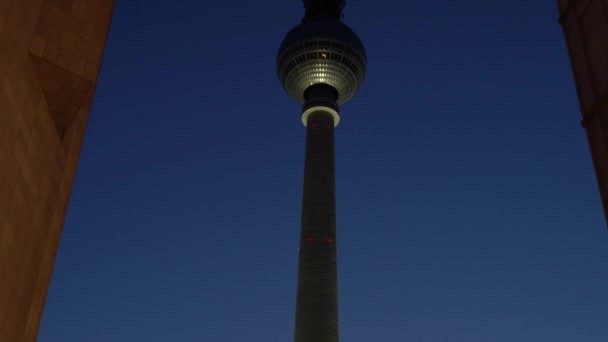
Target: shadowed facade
(585, 26)
(50, 55)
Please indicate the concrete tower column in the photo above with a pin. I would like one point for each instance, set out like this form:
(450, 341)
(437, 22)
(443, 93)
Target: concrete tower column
(317, 297)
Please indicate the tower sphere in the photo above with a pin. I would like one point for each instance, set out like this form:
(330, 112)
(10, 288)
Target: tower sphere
(321, 51)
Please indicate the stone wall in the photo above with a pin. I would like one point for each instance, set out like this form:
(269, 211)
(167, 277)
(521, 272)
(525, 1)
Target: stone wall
(50, 54)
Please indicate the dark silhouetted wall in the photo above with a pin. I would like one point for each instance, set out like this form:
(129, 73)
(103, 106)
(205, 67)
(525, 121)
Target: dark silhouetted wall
(50, 53)
(585, 25)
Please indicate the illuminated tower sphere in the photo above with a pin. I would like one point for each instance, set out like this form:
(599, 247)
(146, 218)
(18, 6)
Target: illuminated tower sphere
(321, 64)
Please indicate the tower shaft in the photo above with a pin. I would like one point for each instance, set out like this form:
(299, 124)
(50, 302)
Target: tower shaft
(317, 296)
(327, 8)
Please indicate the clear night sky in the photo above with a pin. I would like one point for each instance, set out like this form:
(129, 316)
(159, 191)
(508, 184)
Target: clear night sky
(468, 209)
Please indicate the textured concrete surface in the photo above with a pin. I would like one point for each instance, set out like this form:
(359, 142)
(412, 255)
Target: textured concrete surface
(50, 53)
(585, 25)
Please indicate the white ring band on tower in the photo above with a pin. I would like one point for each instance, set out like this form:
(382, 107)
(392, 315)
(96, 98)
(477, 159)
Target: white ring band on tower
(325, 109)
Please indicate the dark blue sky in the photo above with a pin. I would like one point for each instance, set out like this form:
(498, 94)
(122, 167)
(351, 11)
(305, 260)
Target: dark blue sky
(468, 209)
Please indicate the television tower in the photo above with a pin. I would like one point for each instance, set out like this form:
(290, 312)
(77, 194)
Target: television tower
(321, 64)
